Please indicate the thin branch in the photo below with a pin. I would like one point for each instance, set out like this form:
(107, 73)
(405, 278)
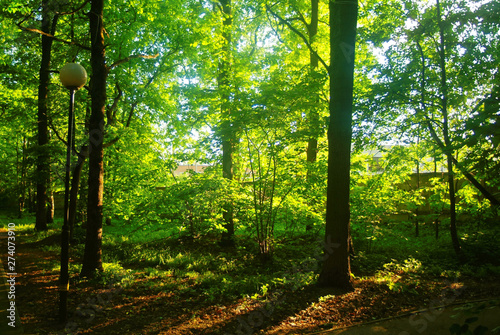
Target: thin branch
(130, 114)
(254, 42)
(127, 59)
(302, 18)
(38, 31)
(111, 111)
(75, 152)
(274, 30)
(113, 108)
(298, 33)
(110, 143)
(445, 147)
(77, 9)
(51, 125)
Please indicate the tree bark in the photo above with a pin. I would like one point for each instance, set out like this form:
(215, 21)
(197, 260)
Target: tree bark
(92, 259)
(42, 168)
(312, 30)
(50, 207)
(227, 131)
(21, 179)
(446, 135)
(50, 194)
(336, 270)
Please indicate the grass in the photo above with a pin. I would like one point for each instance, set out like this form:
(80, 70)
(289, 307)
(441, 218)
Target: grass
(152, 268)
(140, 256)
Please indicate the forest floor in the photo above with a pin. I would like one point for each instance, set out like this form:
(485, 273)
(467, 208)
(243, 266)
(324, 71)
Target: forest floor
(149, 307)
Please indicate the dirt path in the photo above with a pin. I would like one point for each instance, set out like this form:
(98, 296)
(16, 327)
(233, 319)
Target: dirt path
(10, 322)
(471, 315)
(141, 310)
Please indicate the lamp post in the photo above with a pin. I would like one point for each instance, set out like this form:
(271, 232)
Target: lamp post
(73, 77)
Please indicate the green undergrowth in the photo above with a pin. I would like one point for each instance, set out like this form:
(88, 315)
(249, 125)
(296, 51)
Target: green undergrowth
(154, 258)
(392, 254)
(210, 270)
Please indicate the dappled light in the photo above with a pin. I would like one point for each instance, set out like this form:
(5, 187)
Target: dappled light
(249, 167)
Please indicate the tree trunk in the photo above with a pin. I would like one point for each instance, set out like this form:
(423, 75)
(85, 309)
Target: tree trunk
(21, 173)
(50, 196)
(336, 270)
(417, 233)
(227, 131)
(312, 30)
(446, 135)
(42, 167)
(92, 260)
(50, 207)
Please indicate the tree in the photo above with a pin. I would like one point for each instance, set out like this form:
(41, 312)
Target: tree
(312, 31)
(408, 85)
(446, 132)
(314, 80)
(92, 259)
(132, 37)
(227, 127)
(336, 270)
(49, 22)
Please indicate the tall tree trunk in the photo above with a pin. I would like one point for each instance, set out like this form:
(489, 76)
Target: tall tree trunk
(50, 206)
(336, 270)
(227, 131)
(42, 167)
(92, 259)
(314, 127)
(50, 196)
(312, 31)
(446, 135)
(417, 233)
(21, 177)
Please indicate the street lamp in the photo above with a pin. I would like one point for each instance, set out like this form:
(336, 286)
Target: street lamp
(73, 77)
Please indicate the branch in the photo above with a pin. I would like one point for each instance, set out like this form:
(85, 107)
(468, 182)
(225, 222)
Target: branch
(135, 103)
(111, 111)
(77, 9)
(302, 18)
(51, 125)
(445, 149)
(126, 59)
(73, 149)
(38, 31)
(274, 30)
(129, 119)
(298, 33)
(130, 114)
(110, 143)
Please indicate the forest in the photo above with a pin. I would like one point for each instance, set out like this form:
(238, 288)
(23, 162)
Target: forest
(249, 166)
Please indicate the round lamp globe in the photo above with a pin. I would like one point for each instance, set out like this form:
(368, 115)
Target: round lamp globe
(73, 76)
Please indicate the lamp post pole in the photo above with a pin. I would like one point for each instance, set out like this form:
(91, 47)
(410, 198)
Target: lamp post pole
(73, 77)
(64, 275)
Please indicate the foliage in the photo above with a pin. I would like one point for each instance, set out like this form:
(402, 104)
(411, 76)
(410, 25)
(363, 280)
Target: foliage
(164, 108)
(193, 203)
